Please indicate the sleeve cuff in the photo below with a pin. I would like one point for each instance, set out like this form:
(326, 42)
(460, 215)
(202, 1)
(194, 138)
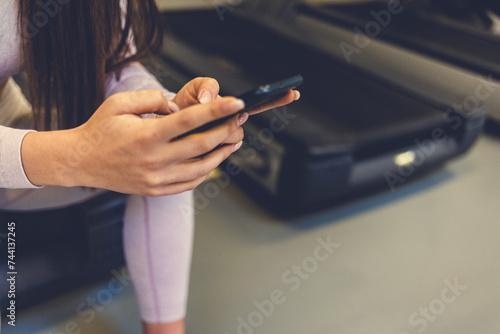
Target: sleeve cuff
(12, 173)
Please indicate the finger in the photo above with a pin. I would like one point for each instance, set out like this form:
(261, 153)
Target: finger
(139, 102)
(196, 171)
(204, 89)
(199, 144)
(195, 116)
(288, 98)
(173, 106)
(207, 89)
(204, 165)
(235, 137)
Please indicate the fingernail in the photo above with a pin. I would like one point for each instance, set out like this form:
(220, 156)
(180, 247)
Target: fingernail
(205, 97)
(236, 147)
(237, 105)
(242, 118)
(297, 95)
(173, 106)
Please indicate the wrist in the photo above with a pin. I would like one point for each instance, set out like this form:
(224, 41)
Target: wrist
(48, 158)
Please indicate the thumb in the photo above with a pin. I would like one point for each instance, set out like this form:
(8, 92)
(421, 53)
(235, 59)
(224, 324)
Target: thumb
(207, 89)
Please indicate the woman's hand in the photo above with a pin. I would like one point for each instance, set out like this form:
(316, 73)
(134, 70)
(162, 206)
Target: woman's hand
(199, 90)
(204, 90)
(118, 150)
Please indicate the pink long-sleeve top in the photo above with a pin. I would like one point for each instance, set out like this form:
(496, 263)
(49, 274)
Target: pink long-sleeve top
(133, 77)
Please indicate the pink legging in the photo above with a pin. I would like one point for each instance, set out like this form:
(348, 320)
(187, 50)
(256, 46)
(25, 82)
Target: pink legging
(158, 242)
(158, 236)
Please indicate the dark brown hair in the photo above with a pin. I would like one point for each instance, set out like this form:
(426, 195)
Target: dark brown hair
(71, 45)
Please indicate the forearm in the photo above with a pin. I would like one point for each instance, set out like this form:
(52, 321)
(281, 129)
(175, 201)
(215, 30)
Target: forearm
(49, 158)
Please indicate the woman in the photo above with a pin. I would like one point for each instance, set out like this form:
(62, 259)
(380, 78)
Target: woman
(94, 108)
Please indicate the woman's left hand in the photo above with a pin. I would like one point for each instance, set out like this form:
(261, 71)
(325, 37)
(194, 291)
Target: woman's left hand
(199, 90)
(204, 90)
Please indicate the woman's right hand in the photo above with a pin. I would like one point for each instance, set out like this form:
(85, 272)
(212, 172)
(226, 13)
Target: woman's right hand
(118, 150)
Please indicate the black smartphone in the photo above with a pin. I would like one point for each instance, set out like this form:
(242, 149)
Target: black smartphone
(256, 97)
